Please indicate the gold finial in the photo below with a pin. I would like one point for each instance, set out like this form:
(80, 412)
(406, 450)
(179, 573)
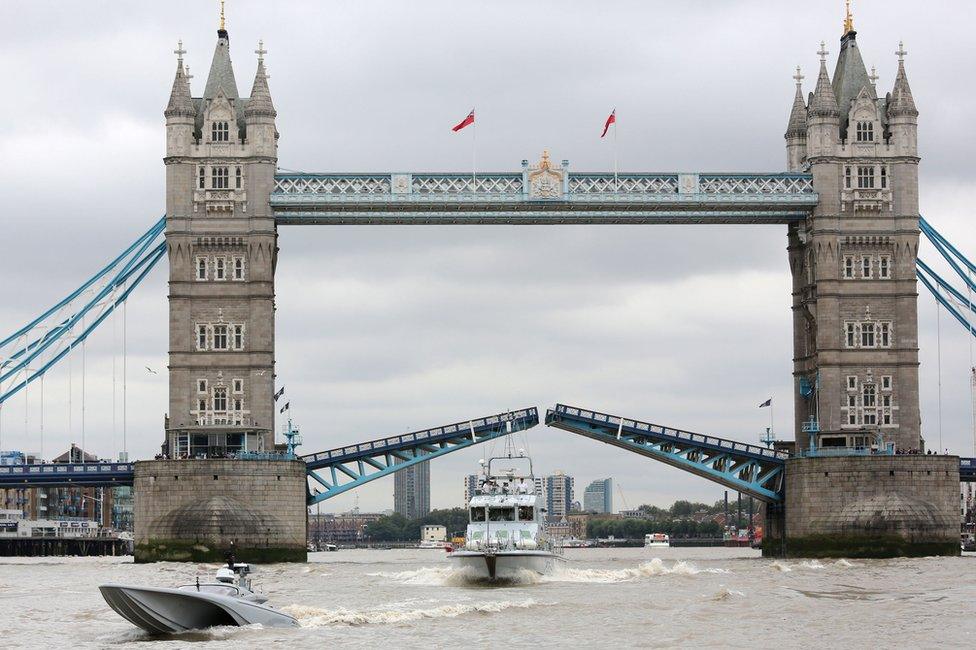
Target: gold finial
(545, 162)
(848, 19)
(222, 15)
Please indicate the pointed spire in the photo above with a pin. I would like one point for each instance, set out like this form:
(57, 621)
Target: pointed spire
(850, 76)
(848, 18)
(823, 102)
(901, 101)
(260, 102)
(180, 102)
(797, 125)
(221, 69)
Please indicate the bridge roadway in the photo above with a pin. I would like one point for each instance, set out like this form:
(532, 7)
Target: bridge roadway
(521, 198)
(749, 469)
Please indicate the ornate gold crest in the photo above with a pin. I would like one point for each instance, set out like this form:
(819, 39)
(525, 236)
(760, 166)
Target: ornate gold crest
(545, 180)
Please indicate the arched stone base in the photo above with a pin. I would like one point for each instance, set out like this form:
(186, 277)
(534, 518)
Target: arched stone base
(868, 506)
(193, 510)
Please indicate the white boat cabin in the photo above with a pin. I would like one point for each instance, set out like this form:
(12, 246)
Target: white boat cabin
(504, 520)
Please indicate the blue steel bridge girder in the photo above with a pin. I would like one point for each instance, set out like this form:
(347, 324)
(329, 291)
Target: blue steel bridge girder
(355, 465)
(749, 469)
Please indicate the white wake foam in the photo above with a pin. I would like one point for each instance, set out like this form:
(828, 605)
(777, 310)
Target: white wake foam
(727, 594)
(650, 569)
(312, 617)
(814, 565)
(443, 576)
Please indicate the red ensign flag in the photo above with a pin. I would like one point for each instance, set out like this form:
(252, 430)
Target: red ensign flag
(465, 122)
(610, 120)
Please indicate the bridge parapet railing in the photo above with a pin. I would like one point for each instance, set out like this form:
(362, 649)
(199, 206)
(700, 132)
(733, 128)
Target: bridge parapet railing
(821, 452)
(515, 187)
(524, 417)
(668, 432)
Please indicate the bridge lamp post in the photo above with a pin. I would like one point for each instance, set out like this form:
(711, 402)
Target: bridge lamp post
(99, 501)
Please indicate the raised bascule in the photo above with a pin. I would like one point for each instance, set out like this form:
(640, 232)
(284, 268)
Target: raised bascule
(849, 201)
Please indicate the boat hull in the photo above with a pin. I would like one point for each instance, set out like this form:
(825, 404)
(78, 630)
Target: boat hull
(505, 565)
(167, 611)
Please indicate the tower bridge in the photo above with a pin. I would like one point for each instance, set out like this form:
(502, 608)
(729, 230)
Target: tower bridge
(848, 199)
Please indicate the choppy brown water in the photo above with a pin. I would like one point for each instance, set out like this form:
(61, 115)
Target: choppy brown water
(624, 598)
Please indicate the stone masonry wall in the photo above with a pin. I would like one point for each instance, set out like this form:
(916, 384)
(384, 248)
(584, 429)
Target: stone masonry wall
(192, 510)
(872, 506)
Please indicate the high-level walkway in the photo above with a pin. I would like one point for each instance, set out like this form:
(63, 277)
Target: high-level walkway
(563, 197)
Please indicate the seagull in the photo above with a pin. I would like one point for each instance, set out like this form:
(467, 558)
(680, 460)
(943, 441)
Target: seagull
(151, 371)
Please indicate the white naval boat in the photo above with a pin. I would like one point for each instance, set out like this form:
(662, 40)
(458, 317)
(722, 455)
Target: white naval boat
(160, 610)
(506, 533)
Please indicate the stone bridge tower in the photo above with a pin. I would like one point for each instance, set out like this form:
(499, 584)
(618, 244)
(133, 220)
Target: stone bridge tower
(853, 262)
(221, 154)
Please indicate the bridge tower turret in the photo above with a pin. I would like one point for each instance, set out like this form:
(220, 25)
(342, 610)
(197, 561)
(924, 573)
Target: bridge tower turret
(221, 154)
(796, 129)
(853, 261)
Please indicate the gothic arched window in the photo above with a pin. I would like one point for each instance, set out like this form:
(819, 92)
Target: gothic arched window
(865, 131)
(219, 179)
(220, 132)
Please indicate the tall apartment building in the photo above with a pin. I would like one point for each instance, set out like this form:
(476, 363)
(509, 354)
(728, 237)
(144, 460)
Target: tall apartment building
(559, 494)
(411, 491)
(598, 496)
(470, 488)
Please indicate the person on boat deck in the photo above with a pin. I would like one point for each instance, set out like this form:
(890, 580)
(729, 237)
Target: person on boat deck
(522, 488)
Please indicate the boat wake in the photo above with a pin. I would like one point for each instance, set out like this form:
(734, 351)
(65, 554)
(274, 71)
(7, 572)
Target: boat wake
(811, 565)
(651, 569)
(431, 576)
(313, 617)
(727, 594)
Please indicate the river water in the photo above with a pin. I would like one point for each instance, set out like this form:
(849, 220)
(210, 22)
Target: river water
(603, 597)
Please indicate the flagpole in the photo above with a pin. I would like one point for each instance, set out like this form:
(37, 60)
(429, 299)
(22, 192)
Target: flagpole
(771, 431)
(474, 154)
(616, 181)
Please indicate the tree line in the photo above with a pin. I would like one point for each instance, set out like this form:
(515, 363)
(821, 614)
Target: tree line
(673, 521)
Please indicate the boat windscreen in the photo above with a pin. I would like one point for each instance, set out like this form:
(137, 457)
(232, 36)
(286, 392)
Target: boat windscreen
(526, 513)
(477, 514)
(221, 590)
(506, 513)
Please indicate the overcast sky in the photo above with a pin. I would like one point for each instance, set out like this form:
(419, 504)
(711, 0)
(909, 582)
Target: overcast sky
(383, 330)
